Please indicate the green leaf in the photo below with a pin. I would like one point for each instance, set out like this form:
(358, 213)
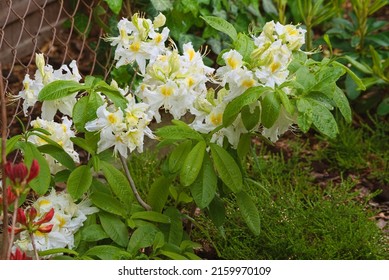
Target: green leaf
(343, 105)
(142, 237)
(361, 67)
(115, 5)
(204, 187)
(305, 116)
(57, 251)
(250, 119)
(285, 101)
(41, 183)
(323, 120)
(383, 107)
(162, 5)
(82, 143)
(227, 168)
(217, 212)
(105, 252)
(85, 110)
(327, 76)
(93, 233)
(108, 203)
(270, 109)
(59, 154)
(113, 94)
(244, 45)
(192, 164)
(151, 216)
(59, 89)
(79, 181)
(233, 108)
(11, 142)
(158, 193)
(172, 255)
(175, 229)
(244, 146)
(178, 132)
(115, 228)
(118, 182)
(221, 25)
(178, 156)
(249, 212)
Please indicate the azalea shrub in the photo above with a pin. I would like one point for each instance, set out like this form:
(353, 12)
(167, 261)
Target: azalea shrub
(85, 203)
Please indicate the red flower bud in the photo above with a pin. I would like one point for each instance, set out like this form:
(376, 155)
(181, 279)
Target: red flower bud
(19, 255)
(45, 228)
(21, 217)
(31, 214)
(19, 174)
(46, 217)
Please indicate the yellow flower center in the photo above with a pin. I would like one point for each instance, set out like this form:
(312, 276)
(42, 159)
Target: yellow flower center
(232, 62)
(291, 31)
(191, 54)
(135, 46)
(216, 119)
(166, 90)
(275, 66)
(248, 83)
(158, 38)
(112, 118)
(190, 81)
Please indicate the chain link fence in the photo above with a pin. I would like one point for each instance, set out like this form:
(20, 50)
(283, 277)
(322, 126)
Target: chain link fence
(63, 30)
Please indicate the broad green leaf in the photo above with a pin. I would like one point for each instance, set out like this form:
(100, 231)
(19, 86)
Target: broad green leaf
(118, 182)
(204, 187)
(172, 255)
(327, 76)
(244, 146)
(221, 25)
(112, 93)
(85, 110)
(175, 229)
(57, 251)
(10, 144)
(93, 233)
(142, 237)
(285, 101)
(305, 78)
(82, 143)
(323, 120)
(59, 89)
(79, 181)
(217, 212)
(361, 67)
(62, 176)
(249, 212)
(151, 216)
(244, 45)
(305, 115)
(192, 164)
(115, 5)
(233, 108)
(105, 252)
(383, 107)
(178, 156)
(227, 168)
(178, 132)
(162, 5)
(59, 154)
(271, 107)
(158, 193)
(250, 119)
(352, 75)
(343, 105)
(115, 228)
(41, 183)
(108, 203)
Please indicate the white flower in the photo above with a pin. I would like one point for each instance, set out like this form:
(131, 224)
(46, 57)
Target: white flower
(68, 219)
(281, 125)
(111, 120)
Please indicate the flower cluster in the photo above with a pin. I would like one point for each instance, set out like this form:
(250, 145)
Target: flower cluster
(59, 133)
(44, 75)
(139, 40)
(124, 130)
(67, 218)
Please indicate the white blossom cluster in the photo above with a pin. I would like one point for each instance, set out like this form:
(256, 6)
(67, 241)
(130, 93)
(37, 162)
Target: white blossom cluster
(68, 219)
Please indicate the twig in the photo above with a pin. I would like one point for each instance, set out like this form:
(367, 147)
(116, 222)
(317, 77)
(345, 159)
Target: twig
(132, 184)
(34, 246)
(12, 237)
(3, 160)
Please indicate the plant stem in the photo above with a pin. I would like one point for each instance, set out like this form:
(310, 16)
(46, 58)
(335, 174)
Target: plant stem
(34, 246)
(12, 236)
(3, 161)
(132, 184)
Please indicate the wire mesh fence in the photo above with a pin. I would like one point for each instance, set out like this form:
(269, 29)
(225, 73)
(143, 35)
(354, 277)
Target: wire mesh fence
(62, 30)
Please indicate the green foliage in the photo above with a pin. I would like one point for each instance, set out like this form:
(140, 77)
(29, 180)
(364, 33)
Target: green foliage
(79, 181)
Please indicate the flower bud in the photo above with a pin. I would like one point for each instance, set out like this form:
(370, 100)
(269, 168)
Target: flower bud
(159, 20)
